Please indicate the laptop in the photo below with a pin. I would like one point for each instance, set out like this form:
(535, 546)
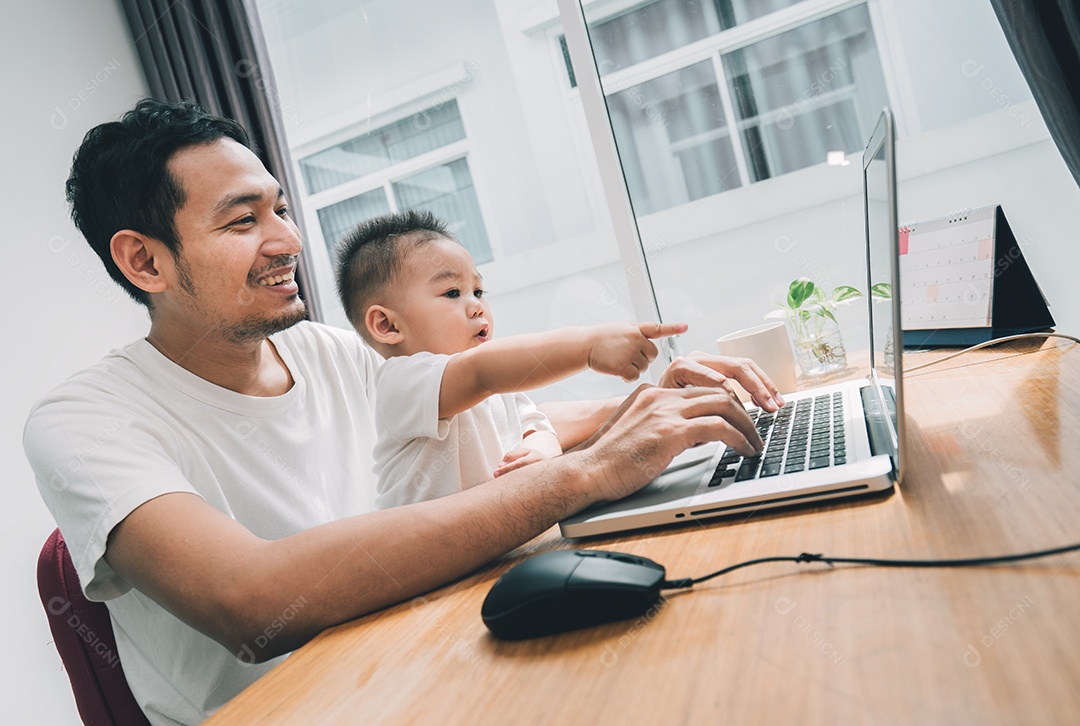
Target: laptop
(830, 442)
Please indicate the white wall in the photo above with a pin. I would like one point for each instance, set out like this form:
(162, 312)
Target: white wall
(70, 65)
(349, 60)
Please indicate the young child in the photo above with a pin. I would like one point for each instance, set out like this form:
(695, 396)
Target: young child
(448, 404)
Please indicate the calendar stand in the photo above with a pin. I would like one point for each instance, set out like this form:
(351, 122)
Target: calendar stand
(1016, 304)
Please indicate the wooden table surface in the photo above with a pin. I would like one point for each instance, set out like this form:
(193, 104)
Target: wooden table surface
(992, 436)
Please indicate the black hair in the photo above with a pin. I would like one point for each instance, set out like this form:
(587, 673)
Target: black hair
(120, 177)
(370, 254)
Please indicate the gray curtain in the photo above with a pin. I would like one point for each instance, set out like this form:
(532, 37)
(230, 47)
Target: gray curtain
(212, 52)
(1045, 38)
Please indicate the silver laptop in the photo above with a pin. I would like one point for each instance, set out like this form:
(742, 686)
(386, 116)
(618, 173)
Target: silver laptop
(831, 442)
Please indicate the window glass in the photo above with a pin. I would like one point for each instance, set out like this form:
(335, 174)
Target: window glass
(661, 26)
(737, 12)
(336, 219)
(651, 30)
(674, 139)
(447, 191)
(366, 154)
(801, 94)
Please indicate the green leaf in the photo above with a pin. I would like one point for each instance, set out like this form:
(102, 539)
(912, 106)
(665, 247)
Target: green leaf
(799, 291)
(845, 292)
(881, 290)
(822, 310)
(828, 314)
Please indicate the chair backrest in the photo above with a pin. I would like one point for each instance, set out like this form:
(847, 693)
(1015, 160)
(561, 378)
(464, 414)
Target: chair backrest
(84, 637)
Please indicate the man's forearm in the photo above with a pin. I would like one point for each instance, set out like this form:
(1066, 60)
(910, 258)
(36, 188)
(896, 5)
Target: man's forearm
(395, 554)
(235, 587)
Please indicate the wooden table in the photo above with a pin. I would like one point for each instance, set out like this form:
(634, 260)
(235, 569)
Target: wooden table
(993, 438)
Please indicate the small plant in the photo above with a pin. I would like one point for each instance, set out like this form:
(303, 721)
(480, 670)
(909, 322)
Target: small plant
(808, 306)
(809, 309)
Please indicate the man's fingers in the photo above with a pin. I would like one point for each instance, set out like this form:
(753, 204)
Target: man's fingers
(692, 373)
(728, 407)
(726, 385)
(757, 384)
(716, 428)
(700, 369)
(662, 330)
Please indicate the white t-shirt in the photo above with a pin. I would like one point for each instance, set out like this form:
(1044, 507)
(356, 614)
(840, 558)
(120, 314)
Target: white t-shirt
(420, 456)
(136, 426)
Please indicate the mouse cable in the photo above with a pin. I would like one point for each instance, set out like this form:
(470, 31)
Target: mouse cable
(987, 344)
(830, 561)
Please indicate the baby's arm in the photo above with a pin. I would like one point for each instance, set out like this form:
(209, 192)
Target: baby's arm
(535, 446)
(525, 362)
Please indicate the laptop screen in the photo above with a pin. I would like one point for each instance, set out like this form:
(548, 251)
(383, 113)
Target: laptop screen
(883, 276)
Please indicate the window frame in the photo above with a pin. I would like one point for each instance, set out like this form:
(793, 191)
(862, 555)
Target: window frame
(386, 177)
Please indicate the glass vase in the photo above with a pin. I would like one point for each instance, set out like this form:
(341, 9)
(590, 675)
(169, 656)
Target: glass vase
(889, 356)
(820, 350)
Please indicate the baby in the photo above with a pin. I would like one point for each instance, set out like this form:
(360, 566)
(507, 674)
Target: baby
(448, 402)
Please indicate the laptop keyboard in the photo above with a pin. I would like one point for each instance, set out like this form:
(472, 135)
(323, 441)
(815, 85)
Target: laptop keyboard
(804, 434)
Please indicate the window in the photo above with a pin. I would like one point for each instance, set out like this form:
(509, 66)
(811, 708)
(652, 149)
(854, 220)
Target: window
(698, 109)
(416, 163)
(718, 107)
(656, 27)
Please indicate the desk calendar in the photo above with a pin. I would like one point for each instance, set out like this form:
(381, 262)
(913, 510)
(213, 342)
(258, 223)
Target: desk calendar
(964, 280)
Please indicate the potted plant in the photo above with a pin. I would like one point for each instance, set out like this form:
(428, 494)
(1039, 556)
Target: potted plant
(809, 309)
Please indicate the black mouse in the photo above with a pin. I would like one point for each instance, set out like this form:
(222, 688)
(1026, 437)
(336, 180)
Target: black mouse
(561, 590)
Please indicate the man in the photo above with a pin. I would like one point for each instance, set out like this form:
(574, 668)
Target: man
(213, 480)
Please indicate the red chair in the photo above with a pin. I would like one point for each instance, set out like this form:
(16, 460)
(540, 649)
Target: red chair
(84, 637)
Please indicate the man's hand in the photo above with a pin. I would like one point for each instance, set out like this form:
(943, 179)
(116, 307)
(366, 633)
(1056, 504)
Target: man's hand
(655, 424)
(701, 369)
(626, 349)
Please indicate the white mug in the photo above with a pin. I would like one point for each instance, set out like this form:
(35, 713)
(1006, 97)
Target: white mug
(769, 347)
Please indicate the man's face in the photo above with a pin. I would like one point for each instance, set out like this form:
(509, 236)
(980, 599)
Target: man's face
(239, 246)
(441, 307)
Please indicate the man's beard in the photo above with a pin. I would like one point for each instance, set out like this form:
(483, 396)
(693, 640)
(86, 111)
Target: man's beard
(251, 331)
(246, 331)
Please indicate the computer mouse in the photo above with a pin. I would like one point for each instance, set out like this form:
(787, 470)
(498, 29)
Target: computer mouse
(562, 590)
